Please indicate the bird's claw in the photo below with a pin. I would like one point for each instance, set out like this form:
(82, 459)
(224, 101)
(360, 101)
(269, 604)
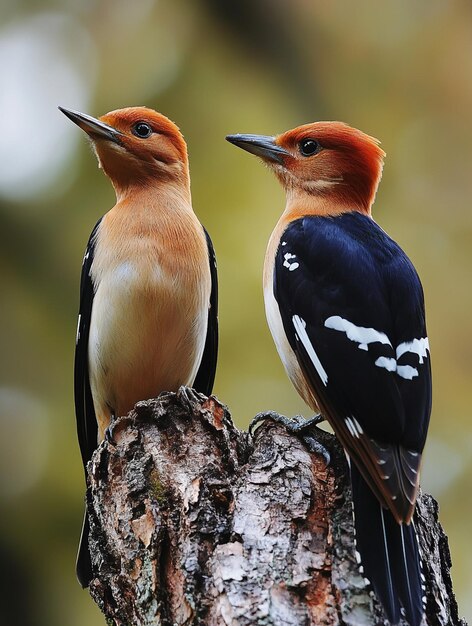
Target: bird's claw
(188, 396)
(296, 425)
(316, 447)
(269, 415)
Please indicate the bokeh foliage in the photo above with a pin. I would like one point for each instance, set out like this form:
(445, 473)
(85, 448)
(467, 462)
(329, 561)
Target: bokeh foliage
(398, 70)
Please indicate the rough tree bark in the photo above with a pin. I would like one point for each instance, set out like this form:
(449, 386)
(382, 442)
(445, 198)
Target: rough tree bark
(195, 522)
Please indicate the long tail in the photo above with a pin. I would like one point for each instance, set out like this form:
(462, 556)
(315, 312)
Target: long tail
(389, 555)
(83, 566)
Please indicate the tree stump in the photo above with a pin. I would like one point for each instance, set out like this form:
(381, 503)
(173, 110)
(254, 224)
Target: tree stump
(194, 522)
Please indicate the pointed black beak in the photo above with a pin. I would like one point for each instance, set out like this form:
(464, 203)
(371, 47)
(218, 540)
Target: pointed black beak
(261, 145)
(93, 127)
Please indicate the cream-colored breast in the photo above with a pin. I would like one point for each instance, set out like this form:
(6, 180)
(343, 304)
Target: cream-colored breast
(150, 310)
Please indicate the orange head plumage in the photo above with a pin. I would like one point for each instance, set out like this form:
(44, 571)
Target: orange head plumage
(328, 166)
(136, 146)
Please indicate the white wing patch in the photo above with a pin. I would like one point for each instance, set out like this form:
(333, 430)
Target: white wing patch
(419, 347)
(354, 427)
(416, 346)
(407, 371)
(390, 364)
(361, 335)
(302, 336)
(365, 336)
(77, 334)
(288, 263)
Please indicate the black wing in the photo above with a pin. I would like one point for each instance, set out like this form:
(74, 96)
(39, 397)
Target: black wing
(207, 370)
(349, 299)
(87, 430)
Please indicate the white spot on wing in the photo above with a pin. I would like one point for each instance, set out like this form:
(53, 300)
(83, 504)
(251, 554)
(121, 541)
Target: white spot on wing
(299, 326)
(416, 346)
(406, 371)
(350, 427)
(420, 347)
(288, 264)
(390, 364)
(354, 427)
(357, 426)
(363, 336)
(77, 334)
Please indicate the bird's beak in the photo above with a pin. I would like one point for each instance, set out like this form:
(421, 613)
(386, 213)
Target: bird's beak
(93, 127)
(261, 145)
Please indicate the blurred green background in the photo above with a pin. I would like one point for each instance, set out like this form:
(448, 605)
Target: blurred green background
(399, 70)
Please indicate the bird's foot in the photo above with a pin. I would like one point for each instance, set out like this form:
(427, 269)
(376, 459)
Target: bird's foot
(298, 426)
(189, 397)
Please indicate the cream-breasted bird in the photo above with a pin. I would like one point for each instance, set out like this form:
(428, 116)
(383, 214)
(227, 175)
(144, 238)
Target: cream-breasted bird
(148, 295)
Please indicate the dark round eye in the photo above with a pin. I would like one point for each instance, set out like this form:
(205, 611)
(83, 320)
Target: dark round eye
(141, 129)
(308, 147)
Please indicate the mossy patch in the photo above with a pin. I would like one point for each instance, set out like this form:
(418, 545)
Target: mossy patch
(157, 490)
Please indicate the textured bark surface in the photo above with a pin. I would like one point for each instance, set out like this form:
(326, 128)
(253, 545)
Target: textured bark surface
(194, 522)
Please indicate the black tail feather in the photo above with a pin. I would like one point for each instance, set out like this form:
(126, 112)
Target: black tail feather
(389, 555)
(83, 566)
(406, 568)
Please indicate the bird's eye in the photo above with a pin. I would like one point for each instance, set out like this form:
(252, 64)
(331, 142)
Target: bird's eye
(141, 129)
(308, 147)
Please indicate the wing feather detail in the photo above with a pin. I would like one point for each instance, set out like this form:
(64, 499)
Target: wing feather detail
(207, 370)
(87, 430)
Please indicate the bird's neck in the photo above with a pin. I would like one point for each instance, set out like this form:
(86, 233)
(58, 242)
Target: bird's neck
(300, 203)
(161, 193)
(155, 206)
(152, 228)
